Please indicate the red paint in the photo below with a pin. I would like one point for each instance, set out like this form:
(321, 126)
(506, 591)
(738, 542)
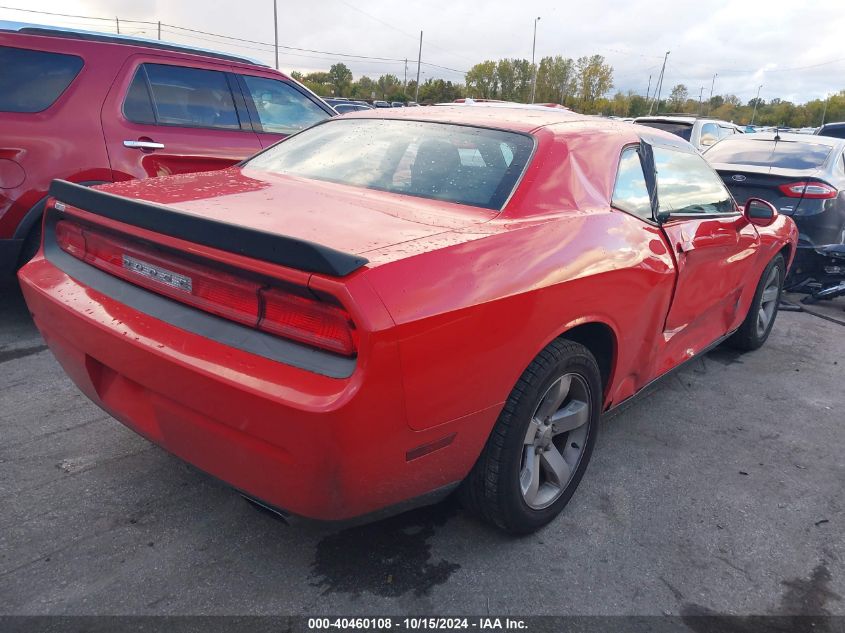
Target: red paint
(454, 304)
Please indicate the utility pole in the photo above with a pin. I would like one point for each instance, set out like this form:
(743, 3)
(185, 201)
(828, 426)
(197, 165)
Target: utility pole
(700, 95)
(659, 87)
(117, 23)
(533, 65)
(824, 111)
(648, 90)
(276, 30)
(405, 83)
(159, 30)
(756, 101)
(712, 83)
(419, 60)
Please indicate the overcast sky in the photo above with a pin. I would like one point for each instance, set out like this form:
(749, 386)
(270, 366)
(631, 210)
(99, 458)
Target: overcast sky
(796, 50)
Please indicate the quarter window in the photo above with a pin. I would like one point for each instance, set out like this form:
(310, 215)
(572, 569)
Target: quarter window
(188, 97)
(32, 81)
(281, 108)
(687, 184)
(631, 193)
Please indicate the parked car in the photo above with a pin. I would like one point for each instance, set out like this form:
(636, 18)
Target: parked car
(803, 177)
(397, 104)
(702, 132)
(343, 108)
(836, 130)
(93, 108)
(338, 338)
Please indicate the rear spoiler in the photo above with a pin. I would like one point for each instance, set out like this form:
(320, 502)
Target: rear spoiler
(278, 249)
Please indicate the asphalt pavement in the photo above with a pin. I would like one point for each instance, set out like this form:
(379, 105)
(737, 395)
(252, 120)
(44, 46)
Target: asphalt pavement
(722, 489)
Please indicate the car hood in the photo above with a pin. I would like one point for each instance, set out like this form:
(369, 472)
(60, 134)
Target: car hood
(349, 219)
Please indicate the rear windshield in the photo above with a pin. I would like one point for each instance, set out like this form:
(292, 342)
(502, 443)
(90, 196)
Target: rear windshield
(836, 131)
(31, 81)
(684, 130)
(461, 164)
(769, 153)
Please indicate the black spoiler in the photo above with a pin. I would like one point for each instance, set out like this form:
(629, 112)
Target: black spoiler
(278, 249)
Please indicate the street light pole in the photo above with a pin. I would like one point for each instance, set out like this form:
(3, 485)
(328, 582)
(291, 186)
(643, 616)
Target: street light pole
(756, 101)
(276, 31)
(533, 65)
(419, 61)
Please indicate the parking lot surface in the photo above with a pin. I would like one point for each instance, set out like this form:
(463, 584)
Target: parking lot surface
(720, 489)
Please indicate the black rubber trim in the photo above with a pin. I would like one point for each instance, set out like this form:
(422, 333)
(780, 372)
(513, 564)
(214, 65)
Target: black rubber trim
(192, 320)
(277, 249)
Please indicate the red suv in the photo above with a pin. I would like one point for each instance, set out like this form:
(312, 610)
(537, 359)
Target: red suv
(93, 108)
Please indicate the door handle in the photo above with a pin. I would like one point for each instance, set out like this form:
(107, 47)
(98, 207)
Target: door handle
(143, 145)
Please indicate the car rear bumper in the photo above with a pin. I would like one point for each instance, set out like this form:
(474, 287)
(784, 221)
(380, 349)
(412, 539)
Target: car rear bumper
(311, 445)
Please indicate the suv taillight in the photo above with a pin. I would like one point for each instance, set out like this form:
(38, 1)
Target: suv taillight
(810, 190)
(291, 314)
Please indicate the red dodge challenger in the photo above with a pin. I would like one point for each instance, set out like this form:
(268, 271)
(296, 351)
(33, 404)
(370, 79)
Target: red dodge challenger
(397, 303)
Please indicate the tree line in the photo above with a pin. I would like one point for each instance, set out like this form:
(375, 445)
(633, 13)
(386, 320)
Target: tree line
(583, 84)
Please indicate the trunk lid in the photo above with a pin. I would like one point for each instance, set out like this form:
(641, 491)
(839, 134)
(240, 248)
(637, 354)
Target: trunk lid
(753, 181)
(348, 219)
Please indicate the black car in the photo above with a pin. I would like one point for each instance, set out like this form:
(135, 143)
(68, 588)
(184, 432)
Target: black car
(803, 176)
(836, 130)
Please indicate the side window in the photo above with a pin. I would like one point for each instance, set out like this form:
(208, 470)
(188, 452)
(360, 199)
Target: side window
(138, 106)
(631, 193)
(709, 134)
(687, 184)
(726, 131)
(31, 81)
(281, 108)
(188, 97)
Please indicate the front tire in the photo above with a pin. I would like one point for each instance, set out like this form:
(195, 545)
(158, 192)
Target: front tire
(541, 443)
(757, 326)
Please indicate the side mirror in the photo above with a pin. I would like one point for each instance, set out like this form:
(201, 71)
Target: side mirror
(759, 212)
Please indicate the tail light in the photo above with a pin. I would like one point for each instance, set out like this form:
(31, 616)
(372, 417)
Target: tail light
(289, 314)
(810, 190)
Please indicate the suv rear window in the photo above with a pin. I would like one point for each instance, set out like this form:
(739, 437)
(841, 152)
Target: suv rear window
(684, 130)
(769, 153)
(423, 159)
(31, 81)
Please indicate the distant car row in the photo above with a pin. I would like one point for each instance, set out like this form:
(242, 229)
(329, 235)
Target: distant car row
(800, 172)
(343, 105)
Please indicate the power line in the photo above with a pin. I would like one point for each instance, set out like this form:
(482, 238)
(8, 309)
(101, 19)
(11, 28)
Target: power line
(398, 30)
(227, 37)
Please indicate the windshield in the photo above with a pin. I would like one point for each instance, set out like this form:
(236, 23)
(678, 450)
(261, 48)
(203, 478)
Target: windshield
(456, 163)
(684, 130)
(769, 153)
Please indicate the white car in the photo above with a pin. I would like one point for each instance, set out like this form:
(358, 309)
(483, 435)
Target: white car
(702, 132)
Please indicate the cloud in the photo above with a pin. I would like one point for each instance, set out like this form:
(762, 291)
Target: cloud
(781, 45)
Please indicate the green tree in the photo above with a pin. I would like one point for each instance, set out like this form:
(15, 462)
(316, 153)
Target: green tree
(340, 78)
(555, 80)
(594, 79)
(482, 81)
(389, 87)
(678, 97)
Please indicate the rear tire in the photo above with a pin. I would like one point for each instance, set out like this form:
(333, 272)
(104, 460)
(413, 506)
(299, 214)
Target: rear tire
(757, 326)
(539, 447)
